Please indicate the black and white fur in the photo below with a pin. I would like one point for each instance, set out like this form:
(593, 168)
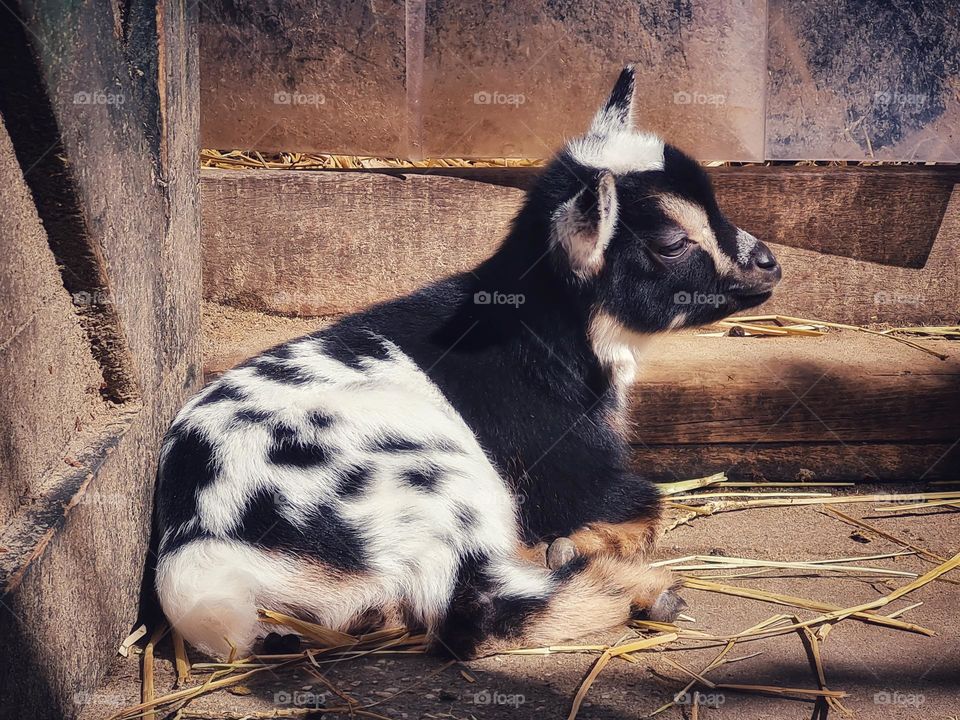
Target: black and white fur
(397, 466)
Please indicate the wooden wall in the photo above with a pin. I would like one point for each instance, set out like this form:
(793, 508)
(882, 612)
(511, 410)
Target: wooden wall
(99, 327)
(736, 80)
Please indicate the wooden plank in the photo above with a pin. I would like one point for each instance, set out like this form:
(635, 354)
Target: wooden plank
(59, 391)
(487, 79)
(495, 79)
(857, 244)
(100, 103)
(517, 78)
(886, 214)
(789, 462)
(779, 395)
(844, 388)
(282, 75)
(883, 214)
(339, 241)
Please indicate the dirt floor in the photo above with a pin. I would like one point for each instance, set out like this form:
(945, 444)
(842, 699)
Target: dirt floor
(886, 673)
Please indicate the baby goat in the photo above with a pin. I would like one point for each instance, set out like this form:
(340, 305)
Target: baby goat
(402, 465)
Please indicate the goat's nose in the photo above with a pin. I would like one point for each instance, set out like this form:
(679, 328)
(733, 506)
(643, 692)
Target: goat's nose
(764, 259)
(765, 264)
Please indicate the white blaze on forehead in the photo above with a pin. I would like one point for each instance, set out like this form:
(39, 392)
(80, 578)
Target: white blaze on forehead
(745, 244)
(620, 152)
(693, 219)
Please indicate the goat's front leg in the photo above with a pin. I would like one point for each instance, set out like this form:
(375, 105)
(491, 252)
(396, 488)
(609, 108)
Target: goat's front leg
(626, 525)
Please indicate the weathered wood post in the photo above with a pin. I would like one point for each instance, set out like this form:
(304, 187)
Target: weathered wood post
(99, 323)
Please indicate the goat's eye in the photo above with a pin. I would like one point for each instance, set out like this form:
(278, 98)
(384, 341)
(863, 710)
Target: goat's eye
(674, 249)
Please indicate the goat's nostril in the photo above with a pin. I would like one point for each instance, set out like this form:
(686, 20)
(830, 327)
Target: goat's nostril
(765, 260)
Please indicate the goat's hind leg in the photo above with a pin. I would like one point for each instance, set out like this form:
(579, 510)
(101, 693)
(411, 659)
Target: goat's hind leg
(504, 603)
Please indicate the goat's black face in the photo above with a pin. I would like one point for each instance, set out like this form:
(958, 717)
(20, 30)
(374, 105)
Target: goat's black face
(674, 259)
(638, 225)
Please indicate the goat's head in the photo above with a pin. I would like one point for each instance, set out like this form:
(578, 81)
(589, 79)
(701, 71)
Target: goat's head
(635, 224)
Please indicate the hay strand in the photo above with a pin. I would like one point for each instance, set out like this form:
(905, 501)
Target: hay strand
(181, 659)
(782, 322)
(606, 657)
(148, 692)
(683, 486)
(802, 603)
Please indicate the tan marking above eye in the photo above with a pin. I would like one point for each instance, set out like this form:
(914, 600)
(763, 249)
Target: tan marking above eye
(695, 223)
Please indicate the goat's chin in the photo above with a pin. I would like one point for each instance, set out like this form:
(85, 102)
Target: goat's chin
(751, 300)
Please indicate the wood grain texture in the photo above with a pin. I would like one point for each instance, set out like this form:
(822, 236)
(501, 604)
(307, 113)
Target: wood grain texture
(100, 102)
(743, 81)
(282, 75)
(851, 80)
(515, 79)
(323, 243)
(791, 462)
(846, 406)
(857, 245)
(50, 390)
(886, 215)
(487, 79)
(844, 387)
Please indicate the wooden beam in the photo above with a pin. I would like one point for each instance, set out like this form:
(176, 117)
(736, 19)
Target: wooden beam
(322, 243)
(857, 244)
(845, 387)
(884, 214)
(789, 462)
(292, 77)
(845, 406)
(98, 159)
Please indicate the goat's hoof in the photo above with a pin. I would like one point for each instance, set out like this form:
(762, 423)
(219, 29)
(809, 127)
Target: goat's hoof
(276, 644)
(561, 551)
(666, 607)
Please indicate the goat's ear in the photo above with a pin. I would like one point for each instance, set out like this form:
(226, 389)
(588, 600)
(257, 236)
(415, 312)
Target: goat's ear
(614, 116)
(584, 225)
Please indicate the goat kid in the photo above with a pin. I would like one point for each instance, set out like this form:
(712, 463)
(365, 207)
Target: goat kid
(402, 465)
